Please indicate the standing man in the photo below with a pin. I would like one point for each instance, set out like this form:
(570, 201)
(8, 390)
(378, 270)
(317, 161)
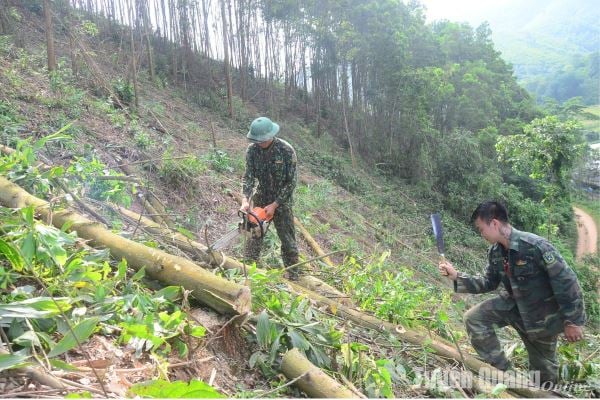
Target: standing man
(272, 162)
(541, 295)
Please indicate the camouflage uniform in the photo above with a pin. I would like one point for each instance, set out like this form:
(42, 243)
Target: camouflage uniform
(275, 170)
(540, 295)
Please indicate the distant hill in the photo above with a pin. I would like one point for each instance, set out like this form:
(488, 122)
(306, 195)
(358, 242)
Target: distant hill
(552, 44)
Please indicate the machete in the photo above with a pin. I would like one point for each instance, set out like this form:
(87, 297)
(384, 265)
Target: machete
(436, 223)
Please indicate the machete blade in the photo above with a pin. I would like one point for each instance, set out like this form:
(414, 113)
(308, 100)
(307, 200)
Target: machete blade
(436, 223)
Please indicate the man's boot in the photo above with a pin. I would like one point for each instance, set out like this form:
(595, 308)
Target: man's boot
(294, 272)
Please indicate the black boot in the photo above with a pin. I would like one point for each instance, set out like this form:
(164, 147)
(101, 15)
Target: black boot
(294, 272)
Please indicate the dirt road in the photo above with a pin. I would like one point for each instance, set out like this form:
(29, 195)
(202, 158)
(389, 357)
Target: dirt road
(587, 233)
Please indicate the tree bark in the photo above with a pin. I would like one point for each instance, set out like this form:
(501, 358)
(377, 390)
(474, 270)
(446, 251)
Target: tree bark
(133, 63)
(226, 61)
(147, 35)
(221, 295)
(219, 259)
(436, 344)
(49, 36)
(312, 242)
(4, 21)
(313, 381)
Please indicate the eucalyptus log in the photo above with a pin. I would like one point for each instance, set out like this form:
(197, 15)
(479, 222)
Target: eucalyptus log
(214, 258)
(312, 242)
(152, 205)
(312, 380)
(218, 293)
(217, 258)
(435, 343)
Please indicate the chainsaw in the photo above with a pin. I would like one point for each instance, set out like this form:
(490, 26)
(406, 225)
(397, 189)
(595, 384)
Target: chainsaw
(253, 224)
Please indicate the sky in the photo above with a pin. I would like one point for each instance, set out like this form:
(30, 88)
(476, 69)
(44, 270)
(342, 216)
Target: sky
(472, 11)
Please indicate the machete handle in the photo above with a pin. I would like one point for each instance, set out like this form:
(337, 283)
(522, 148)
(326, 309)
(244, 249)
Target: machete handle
(443, 270)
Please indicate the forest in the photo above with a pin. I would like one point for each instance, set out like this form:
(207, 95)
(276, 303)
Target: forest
(122, 128)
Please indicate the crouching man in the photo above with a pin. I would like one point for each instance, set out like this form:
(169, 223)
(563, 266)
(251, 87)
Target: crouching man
(541, 296)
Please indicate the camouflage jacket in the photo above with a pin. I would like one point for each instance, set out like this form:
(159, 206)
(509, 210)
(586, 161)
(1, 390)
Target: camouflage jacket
(275, 170)
(539, 282)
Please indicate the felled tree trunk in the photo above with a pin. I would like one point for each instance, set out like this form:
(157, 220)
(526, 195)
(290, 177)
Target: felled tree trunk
(217, 258)
(312, 242)
(220, 294)
(437, 344)
(313, 381)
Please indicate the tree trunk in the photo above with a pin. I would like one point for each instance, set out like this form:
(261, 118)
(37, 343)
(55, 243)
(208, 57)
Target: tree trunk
(205, 8)
(219, 294)
(226, 61)
(434, 343)
(4, 21)
(218, 258)
(133, 63)
(243, 48)
(314, 382)
(49, 36)
(148, 35)
(312, 242)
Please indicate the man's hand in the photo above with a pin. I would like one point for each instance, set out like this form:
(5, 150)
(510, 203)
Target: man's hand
(270, 209)
(446, 268)
(573, 333)
(245, 205)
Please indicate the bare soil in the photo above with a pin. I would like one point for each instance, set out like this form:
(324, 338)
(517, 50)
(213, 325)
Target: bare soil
(587, 233)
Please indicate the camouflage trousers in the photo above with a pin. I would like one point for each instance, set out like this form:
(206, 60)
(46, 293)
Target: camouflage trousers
(481, 322)
(284, 224)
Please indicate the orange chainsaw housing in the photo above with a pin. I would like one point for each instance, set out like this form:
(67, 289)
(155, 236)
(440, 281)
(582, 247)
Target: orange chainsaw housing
(260, 213)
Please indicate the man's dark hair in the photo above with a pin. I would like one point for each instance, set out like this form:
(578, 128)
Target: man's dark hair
(489, 210)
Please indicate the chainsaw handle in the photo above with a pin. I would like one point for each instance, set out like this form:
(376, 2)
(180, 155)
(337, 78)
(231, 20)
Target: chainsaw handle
(246, 222)
(259, 222)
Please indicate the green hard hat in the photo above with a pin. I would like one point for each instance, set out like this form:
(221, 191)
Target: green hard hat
(262, 129)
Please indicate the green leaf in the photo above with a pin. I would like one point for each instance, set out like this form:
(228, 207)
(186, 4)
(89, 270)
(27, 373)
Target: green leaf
(82, 331)
(39, 307)
(263, 329)
(79, 395)
(181, 347)
(175, 390)
(298, 340)
(186, 233)
(170, 293)
(28, 214)
(59, 364)
(55, 136)
(28, 247)
(139, 274)
(498, 389)
(12, 255)
(27, 339)
(121, 270)
(8, 361)
(198, 331)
